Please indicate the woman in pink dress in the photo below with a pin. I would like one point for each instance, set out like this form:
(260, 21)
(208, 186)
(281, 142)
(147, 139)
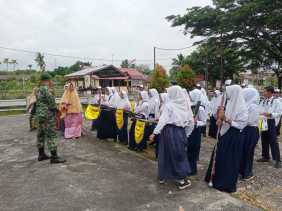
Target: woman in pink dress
(71, 110)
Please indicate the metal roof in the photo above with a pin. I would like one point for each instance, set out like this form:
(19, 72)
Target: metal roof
(93, 70)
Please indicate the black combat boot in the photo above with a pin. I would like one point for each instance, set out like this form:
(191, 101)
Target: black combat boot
(41, 154)
(277, 165)
(55, 158)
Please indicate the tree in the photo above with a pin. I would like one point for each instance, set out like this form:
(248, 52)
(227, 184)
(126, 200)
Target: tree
(159, 79)
(128, 64)
(185, 77)
(178, 62)
(145, 69)
(6, 61)
(124, 64)
(73, 68)
(206, 60)
(40, 61)
(252, 25)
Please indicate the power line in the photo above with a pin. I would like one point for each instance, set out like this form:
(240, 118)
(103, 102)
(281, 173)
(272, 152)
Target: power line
(175, 49)
(77, 57)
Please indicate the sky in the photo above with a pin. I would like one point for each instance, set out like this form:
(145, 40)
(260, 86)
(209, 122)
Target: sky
(92, 29)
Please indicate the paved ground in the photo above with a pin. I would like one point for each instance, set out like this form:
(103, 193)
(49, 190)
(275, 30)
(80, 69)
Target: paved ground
(106, 176)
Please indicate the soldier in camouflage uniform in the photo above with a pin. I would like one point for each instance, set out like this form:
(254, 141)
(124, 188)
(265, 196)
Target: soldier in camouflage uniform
(45, 112)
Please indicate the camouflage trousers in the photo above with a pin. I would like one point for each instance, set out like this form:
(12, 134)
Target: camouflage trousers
(46, 134)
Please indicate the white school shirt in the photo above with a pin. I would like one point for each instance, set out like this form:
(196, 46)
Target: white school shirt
(253, 115)
(202, 116)
(274, 107)
(143, 109)
(95, 99)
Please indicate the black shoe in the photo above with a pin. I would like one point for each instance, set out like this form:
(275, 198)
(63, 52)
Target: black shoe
(263, 160)
(184, 185)
(161, 182)
(55, 158)
(41, 155)
(277, 165)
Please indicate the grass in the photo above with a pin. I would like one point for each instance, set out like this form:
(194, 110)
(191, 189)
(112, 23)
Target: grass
(12, 112)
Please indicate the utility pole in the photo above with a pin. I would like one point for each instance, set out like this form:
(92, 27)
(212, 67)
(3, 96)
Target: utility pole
(154, 58)
(112, 59)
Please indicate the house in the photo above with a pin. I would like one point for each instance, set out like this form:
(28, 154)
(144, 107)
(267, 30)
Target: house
(135, 78)
(90, 78)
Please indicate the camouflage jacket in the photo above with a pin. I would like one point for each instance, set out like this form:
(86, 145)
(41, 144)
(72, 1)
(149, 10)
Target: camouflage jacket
(45, 105)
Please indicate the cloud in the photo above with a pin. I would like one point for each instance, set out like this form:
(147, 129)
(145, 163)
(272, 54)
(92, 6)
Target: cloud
(91, 28)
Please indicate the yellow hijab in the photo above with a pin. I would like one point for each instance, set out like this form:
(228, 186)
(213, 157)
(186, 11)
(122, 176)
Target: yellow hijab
(70, 102)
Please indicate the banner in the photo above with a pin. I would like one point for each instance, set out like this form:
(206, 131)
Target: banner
(262, 124)
(119, 118)
(92, 112)
(132, 106)
(139, 131)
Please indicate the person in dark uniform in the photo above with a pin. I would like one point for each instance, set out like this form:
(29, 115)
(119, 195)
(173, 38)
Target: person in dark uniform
(271, 110)
(224, 166)
(123, 104)
(250, 132)
(142, 110)
(214, 104)
(175, 117)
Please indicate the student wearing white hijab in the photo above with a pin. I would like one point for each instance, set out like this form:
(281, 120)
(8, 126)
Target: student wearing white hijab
(224, 166)
(114, 99)
(194, 140)
(172, 160)
(206, 103)
(124, 104)
(163, 101)
(96, 101)
(214, 104)
(107, 96)
(142, 110)
(154, 104)
(107, 123)
(251, 132)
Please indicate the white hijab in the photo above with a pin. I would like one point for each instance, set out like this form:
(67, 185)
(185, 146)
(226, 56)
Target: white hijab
(144, 96)
(176, 111)
(164, 97)
(188, 102)
(154, 100)
(143, 106)
(114, 97)
(205, 99)
(251, 96)
(235, 105)
(196, 96)
(215, 102)
(124, 102)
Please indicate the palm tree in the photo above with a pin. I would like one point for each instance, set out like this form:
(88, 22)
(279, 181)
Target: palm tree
(40, 61)
(29, 66)
(6, 61)
(179, 61)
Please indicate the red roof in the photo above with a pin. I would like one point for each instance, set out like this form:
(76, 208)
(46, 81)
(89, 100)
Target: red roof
(114, 78)
(133, 74)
